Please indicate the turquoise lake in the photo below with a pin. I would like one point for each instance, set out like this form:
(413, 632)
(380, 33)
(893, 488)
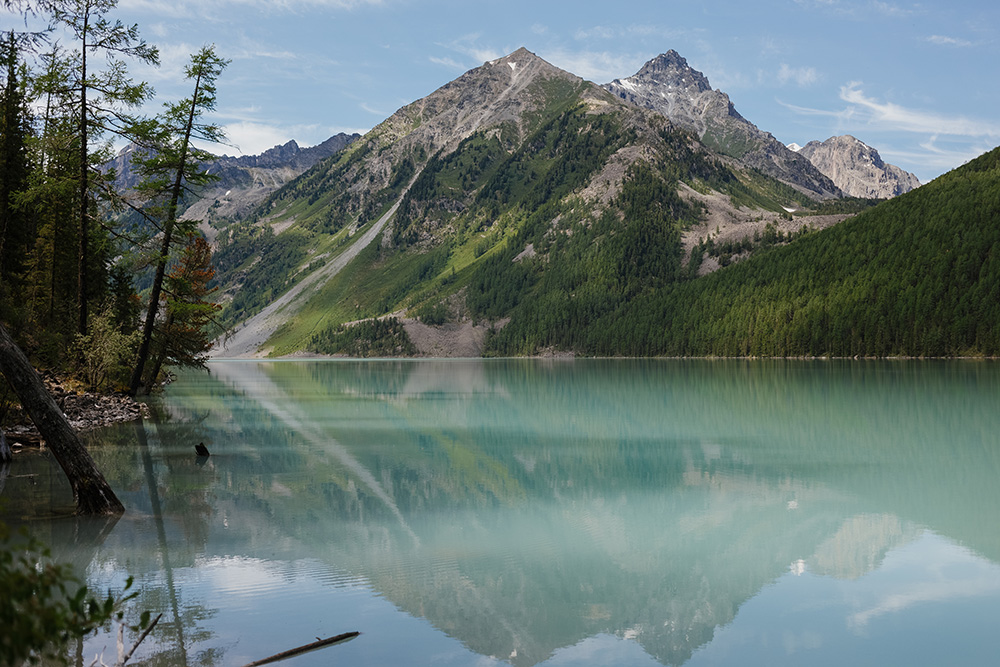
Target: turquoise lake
(551, 512)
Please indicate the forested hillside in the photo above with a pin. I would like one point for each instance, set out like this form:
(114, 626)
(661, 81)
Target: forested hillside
(520, 189)
(918, 275)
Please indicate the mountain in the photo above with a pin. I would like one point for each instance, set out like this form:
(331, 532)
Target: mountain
(243, 181)
(857, 168)
(516, 186)
(668, 85)
(917, 275)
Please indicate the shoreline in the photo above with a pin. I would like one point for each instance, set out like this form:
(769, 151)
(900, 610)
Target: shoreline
(84, 411)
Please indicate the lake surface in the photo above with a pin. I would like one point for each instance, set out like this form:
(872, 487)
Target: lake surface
(560, 512)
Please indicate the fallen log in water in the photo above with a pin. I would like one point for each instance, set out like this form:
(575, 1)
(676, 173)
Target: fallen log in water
(303, 649)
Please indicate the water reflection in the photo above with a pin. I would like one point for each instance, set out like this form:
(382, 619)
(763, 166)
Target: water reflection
(549, 510)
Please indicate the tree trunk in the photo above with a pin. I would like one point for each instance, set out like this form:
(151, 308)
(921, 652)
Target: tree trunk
(6, 456)
(91, 491)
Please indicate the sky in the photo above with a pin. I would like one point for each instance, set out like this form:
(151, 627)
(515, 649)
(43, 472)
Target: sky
(918, 81)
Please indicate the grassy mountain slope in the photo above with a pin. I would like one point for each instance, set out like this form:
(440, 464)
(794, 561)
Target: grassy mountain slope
(517, 184)
(918, 275)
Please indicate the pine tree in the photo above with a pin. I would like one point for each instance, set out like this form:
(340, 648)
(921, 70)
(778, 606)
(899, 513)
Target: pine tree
(15, 130)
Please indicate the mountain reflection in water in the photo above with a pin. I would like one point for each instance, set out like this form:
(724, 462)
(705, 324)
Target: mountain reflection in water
(571, 512)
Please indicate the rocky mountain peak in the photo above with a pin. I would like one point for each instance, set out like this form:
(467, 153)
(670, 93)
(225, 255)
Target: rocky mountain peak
(857, 168)
(499, 91)
(672, 69)
(668, 85)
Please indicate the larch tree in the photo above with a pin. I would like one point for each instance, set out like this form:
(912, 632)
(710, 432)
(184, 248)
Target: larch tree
(171, 166)
(181, 338)
(104, 97)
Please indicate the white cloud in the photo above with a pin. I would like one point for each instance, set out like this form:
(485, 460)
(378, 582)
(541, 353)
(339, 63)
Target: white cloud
(468, 46)
(185, 8)
(624, 32)
(891, 9)
(450, 63)
(252, 138)
(596, 66)
(372, 110)
(934, 157)
(894, 116)
(943, 40)
(801, 76)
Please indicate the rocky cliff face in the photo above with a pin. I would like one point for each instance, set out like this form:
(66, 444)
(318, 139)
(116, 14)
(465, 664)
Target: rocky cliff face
(668, 85)
(242, 181)
(857, 168)
(246, 180)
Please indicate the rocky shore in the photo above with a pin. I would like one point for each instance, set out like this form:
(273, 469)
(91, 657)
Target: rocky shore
(84, 411)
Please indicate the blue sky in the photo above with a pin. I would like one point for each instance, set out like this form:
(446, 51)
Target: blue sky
(919, 81)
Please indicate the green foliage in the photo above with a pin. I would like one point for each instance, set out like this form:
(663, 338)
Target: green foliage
(433, 313)
(369, 338)
(582, 270)
(725, 251)
(264, 265)
(105, 352)
(184, 335)
(45, 606)
(918, 275)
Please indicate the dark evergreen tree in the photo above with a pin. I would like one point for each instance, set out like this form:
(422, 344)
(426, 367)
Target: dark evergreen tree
(103, 100)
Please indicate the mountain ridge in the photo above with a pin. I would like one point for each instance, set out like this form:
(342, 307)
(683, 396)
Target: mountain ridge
(514, 165)
(857, 168)
(668, 85)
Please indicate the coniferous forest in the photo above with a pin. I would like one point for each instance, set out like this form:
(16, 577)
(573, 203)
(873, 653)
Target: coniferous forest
(918, 275)
(77, 255)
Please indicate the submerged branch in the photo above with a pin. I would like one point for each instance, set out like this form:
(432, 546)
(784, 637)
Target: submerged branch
(322, 643)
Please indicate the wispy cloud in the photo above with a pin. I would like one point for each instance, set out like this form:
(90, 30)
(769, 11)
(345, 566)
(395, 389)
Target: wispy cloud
(894, 116)
(372, 110)
(182, 7)
(801, 76)
(609, 32)
(450, 63)
(596, 66)
(944, 40)
(933, 157)
(252, 138)
(475, 53)
(861, 8)
(867, 111)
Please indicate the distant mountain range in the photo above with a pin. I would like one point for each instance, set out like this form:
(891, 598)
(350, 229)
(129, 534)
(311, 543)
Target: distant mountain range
(243, 181)
(857, 168)
(836, 167)
(668, 85)
(512, 209)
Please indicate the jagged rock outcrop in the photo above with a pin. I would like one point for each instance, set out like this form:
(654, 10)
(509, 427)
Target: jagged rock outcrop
(243, 181)
(857, 168)
(246, 180)
(668, 85)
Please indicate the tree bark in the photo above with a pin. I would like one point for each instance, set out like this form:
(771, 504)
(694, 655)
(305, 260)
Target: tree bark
(92, 493)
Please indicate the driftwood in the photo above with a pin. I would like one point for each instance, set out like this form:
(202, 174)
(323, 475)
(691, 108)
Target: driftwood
(322, 643)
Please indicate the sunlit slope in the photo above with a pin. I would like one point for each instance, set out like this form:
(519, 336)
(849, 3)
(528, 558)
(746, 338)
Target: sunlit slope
(918, 275)
(517, 182)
